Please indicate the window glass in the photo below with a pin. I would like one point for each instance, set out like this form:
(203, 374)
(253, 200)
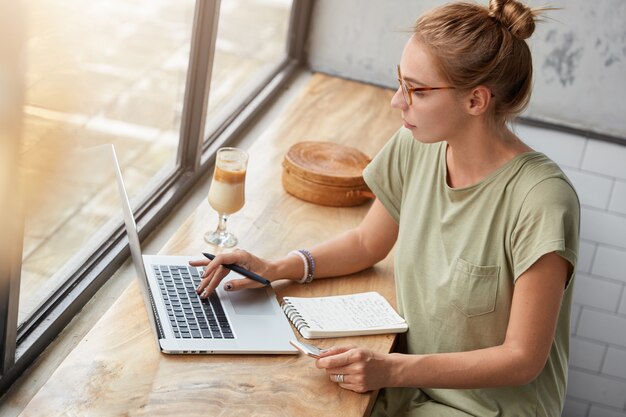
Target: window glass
(97, 72)
(251, 43)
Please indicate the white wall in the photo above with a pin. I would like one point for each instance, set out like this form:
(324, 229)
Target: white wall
(580, 71)
(579, 54)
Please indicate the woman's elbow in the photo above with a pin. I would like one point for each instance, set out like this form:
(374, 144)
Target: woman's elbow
(528, 368)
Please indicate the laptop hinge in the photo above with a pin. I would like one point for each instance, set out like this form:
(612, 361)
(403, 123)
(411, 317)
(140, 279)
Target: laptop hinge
(157, 319)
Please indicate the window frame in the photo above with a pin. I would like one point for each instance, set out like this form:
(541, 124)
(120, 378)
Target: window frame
(19, 347)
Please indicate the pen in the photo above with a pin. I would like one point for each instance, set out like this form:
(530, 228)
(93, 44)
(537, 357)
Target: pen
(241, 270)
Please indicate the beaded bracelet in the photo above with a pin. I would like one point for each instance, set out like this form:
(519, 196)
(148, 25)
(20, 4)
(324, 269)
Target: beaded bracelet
(306, 265)
(309, 265)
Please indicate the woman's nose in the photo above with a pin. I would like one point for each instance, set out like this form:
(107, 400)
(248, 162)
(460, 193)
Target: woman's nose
(398, 101)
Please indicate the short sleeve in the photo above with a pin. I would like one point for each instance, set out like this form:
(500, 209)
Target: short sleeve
(549, 221)
(385, 174)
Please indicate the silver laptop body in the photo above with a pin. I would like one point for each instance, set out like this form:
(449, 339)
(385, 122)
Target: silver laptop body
(248, 321)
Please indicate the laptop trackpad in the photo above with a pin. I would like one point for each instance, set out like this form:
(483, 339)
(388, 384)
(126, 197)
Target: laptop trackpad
(251, 302)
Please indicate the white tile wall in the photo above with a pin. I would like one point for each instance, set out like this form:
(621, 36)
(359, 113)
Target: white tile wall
(603, 227)
(586, 253)
(615, 362)
(597, 293)
(618, 200)
(600, 411)
(597, 375)
(593, 190)
(597, 388)
(602, 326)
(605, 158)
(610, 263)
(575, 408)
(586, 354)
(563, 148)
(575, 316)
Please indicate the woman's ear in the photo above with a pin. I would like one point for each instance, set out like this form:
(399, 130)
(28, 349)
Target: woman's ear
(479, 100)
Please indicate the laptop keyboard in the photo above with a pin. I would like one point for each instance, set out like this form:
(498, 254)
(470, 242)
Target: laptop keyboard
(190, 316)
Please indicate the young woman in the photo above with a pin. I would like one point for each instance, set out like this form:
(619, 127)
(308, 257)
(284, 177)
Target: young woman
(486, 232)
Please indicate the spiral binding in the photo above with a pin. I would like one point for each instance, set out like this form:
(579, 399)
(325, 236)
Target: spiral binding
(293, 315)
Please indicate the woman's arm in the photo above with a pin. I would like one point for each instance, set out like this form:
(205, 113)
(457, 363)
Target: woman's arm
(356, 249)
(350, 252)
(519, 360)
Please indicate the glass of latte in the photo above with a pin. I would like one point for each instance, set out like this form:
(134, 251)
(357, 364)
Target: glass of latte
(226, 194)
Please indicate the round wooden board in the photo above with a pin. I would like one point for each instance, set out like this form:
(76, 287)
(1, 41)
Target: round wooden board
(327, 163)
(326, 173)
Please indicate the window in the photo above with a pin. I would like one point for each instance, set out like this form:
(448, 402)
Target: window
(251, 44)
(101, 72)
(135, 74)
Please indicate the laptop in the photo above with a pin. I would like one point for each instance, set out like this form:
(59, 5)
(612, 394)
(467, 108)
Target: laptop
(238, 322)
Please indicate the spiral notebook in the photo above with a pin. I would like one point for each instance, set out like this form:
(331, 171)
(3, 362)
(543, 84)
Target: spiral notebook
(343, 315)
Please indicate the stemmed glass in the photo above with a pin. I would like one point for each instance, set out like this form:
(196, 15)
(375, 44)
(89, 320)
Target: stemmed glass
(227, 192)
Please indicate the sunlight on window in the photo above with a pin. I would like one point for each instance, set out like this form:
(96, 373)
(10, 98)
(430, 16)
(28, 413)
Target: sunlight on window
(251, 41)
(98, 72)
(114, 72)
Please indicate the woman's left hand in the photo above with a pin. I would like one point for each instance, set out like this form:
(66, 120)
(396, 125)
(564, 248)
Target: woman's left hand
(362, 369)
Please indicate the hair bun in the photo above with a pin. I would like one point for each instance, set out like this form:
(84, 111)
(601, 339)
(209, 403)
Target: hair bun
(518, 18)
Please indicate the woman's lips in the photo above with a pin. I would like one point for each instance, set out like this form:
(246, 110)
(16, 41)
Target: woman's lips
(408, 125)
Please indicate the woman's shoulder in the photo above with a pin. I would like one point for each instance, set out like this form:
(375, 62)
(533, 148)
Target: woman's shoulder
(541, 178)
(535, 167)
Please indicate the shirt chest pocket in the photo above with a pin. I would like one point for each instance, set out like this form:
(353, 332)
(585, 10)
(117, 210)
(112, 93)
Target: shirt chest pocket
(474, 288)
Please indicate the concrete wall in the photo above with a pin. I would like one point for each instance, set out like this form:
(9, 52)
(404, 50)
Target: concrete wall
(579, 54)
(580, 70)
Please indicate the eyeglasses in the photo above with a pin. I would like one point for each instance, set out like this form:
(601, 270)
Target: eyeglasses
(407, 91)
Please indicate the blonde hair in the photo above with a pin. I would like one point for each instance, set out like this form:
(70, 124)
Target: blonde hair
(476, 45)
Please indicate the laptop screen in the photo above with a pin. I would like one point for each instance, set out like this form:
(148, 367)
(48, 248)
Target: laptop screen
(129, 219)
(135, 250)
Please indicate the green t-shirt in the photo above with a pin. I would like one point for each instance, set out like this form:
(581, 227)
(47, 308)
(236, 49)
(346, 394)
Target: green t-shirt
(458, 255)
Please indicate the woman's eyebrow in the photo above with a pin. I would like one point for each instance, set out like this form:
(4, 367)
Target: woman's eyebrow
(412, 80)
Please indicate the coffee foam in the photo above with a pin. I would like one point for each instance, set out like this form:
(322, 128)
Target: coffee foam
(228, 175)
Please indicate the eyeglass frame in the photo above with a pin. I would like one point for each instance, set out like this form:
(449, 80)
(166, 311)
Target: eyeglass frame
(407, 92)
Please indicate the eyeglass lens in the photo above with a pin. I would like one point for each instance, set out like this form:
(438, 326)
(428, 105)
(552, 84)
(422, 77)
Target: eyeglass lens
(405, 91)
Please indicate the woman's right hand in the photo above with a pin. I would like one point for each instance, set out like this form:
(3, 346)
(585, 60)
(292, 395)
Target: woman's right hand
(214, 272)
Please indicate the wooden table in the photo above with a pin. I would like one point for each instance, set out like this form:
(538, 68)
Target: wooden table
(117, 370)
